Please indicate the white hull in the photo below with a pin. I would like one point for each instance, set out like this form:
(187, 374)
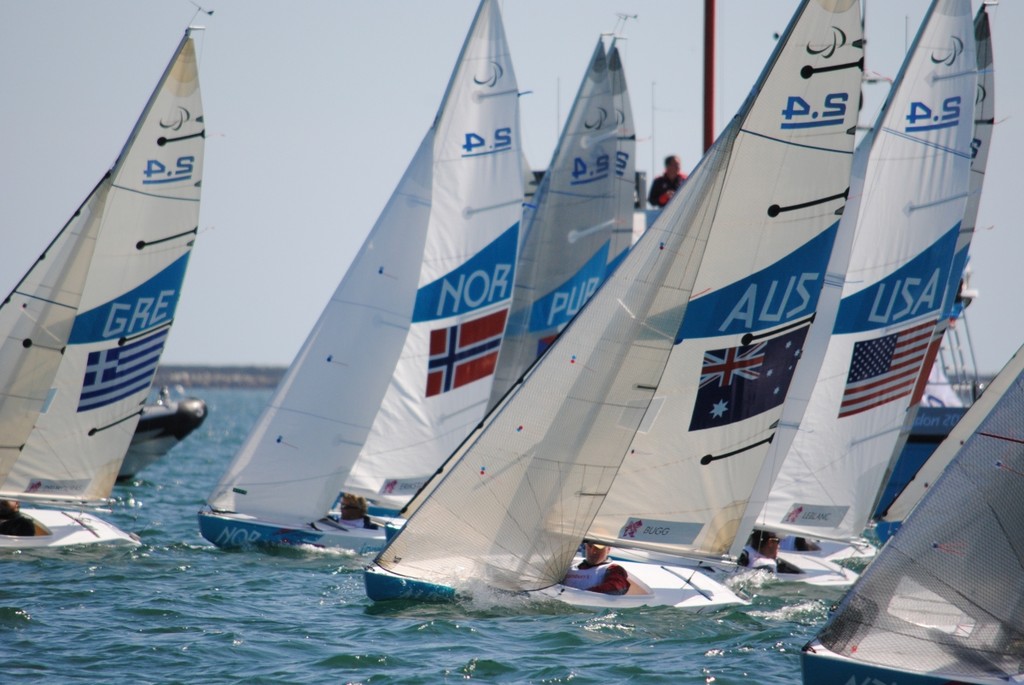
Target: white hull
(65, 528)
(814, 570)
(654, 585)
(650, 585)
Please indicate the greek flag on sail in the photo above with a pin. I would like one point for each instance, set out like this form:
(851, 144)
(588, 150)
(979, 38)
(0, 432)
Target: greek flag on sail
(111, 375)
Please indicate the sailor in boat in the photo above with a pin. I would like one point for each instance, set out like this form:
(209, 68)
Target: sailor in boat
(354, 512)
(12, 521)
(762, 553)
(597, 574)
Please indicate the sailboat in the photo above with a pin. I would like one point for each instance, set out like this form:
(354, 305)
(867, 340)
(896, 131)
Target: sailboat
(732, 268)
(911, 178)
(398, 369)
(944, 600)
(625, 163)
(567, 228)
(84, 329)
(901, 495)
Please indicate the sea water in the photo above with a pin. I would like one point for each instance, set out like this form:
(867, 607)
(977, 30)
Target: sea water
(178, 610)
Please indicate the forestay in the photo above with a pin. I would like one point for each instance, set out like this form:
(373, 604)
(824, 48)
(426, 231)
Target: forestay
(945, 597)
(910, 189)
(566, 229)
(513, 508)
(984, 119)
(686, 480)
(86, 326)
(398, 368)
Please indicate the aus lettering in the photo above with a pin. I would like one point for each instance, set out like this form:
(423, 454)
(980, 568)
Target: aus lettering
(146, 312)
(904, 298)
(565, 305)
(474, 289)
(768, 304)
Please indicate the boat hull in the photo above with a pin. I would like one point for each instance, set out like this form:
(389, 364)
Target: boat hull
(161, 427)
(66, 528)
(823, 667)
(651, 585)
(235, 531)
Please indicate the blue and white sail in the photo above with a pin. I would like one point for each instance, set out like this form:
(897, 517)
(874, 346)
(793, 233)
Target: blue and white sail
(894, 510)
(911, 183)
(740, 251)
(567, 228)
(684, 486)
(942, 602)
(625, 162)
(85, 328)
(398, 368)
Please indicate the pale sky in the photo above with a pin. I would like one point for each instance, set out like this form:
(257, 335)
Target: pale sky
(315, 107)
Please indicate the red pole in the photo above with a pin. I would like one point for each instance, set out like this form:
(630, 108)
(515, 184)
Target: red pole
(709, 73)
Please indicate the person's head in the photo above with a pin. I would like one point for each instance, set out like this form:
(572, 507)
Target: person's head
(9, 508)
(672, 166)
(353, 507)
(766, 542)
(596, 553)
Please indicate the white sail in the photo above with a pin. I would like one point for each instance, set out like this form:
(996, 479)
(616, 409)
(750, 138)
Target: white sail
(625, 161)
(984, 119)
(685, 483)
(398, 368)
(121, 282)
(944, 600)
(566, 229)
(908, 202)
(512, 510)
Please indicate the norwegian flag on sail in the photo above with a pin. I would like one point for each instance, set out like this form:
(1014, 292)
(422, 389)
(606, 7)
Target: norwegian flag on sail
(885, 369)
(465, 352)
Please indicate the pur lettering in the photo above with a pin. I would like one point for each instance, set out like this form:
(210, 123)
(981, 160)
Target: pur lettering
(568, 303)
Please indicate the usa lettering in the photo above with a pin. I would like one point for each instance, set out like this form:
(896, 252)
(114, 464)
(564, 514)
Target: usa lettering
(906, 299)
(772, 304)
(474, 289)
(564, 305)
(126, 318)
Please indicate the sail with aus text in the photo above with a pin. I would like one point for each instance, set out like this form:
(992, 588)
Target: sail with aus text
(512, 507)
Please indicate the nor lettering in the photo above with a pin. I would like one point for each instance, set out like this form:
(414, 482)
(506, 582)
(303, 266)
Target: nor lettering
(474, 290)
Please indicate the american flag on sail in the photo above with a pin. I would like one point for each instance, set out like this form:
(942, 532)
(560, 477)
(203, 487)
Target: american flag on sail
(465, 352)
(112, 375)
(739, 382)
(885, 369)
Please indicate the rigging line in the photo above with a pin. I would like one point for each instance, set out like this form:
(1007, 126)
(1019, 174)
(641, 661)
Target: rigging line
(915, 139)
(82, 523)
(142, 244)
(1007, 438)
(689, 581)
(470, 211)
(775, 210)
(808, 71)
(94, 431)
(708, 458)
(41, 299)
(129, 338)
(799, 323)
(163, 140)
(795, 144)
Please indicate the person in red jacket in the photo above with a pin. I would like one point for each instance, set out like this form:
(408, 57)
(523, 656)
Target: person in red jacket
(596, 574)
(666, 185)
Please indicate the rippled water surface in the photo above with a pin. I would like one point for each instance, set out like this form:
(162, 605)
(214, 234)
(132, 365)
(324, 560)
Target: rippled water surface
(178, 610)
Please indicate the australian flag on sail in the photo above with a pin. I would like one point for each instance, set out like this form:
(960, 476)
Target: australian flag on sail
(739, 382)
(465, 352)
(885, 369)
(112, 375)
